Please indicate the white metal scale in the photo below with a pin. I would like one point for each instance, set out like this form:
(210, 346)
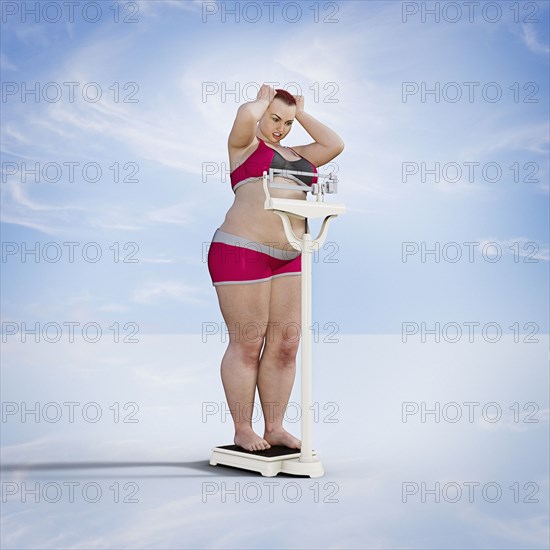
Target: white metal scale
(304, 461)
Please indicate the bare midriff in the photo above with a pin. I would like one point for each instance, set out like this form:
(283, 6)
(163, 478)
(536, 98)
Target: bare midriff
(247, 217)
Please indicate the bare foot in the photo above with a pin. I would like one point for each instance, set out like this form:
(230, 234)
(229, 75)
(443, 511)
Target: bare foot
(282, 437)
(251, 441)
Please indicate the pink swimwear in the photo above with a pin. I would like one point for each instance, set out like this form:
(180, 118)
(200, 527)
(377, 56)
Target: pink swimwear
(263, 158)
(233, 259)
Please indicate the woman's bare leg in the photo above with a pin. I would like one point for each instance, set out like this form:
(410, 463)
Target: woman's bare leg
(245, 309)
(278, 361)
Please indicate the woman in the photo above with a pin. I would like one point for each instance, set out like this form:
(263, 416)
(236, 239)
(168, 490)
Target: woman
(254, 268)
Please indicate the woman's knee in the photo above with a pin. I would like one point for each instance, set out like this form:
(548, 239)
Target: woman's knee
(282, 351)
(247, 351)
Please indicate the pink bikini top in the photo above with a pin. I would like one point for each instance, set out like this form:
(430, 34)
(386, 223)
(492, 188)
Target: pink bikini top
(264, 158)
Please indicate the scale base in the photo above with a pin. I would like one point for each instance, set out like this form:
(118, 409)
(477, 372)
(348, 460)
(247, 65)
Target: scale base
(269, 462)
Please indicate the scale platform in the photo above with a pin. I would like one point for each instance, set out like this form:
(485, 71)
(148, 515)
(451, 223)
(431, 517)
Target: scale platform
(268, 462)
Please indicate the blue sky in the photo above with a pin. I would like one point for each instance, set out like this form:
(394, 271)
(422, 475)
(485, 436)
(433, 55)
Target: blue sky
(359, 64)
(157, 128)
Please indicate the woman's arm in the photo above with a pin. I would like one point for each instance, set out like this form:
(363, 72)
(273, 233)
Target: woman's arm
(328, 144)
(243, 131)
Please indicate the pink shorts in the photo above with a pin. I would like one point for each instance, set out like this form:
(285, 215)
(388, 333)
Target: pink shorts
(233, 260)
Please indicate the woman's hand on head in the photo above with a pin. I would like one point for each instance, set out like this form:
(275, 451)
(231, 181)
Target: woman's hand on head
(299, 103)
(266, 93)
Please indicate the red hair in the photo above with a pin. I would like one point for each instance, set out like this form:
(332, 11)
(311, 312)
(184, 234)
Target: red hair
(286, 97)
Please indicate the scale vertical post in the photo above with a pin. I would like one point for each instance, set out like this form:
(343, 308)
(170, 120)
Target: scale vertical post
(306, 455)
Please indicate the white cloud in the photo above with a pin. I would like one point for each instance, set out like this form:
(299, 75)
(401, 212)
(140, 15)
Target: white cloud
(5, 64)
(178, 214)
(520, 247)
(155, 292)
(33, 35)
(530, 530)
(166, 452)
(150, 375)
(532, 138)
(156, 260)
(113, 308)
(528, 419)
(531, 40)
(157, 9)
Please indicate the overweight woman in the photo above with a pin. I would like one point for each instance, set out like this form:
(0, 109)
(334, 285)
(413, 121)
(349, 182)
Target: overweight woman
(254, 269)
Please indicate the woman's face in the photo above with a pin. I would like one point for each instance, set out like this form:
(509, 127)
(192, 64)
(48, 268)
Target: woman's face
(277, 121)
